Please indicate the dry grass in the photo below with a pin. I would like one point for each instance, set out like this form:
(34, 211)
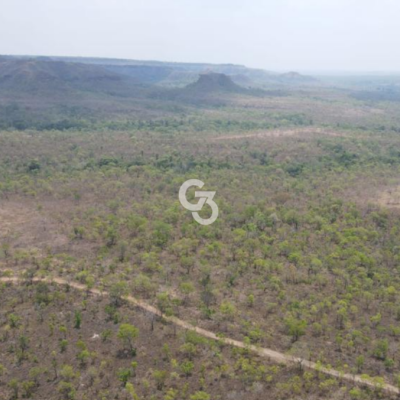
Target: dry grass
(24, 226)
(389, 198)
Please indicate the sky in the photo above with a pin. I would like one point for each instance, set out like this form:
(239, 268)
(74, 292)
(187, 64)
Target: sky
(276, 35)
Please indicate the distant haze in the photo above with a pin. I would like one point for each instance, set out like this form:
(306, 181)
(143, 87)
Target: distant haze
(279, 35)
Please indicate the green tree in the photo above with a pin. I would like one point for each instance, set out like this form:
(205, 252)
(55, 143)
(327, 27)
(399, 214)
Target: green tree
(127, 334)
(200, 396)
(360, 360)
(381, 349)
(14, 386)
(77, 319)
(124, 374)
(296, 327)
(160, 378)
(117, 291)
(187, 367)
(161, 233)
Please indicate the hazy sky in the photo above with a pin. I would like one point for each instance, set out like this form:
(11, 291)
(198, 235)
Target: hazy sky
(303, 35)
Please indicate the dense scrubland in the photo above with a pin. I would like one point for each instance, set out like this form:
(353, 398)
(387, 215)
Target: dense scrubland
(303, 259)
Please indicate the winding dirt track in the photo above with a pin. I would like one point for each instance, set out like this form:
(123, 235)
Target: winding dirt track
(262, 352)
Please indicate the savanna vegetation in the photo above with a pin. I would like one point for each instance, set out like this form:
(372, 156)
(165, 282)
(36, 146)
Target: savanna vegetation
(303, 259)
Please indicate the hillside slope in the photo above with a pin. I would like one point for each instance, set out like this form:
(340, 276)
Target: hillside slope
(33, 76)
(179, 74)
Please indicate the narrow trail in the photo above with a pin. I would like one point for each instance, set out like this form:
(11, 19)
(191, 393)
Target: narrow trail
(272, 355)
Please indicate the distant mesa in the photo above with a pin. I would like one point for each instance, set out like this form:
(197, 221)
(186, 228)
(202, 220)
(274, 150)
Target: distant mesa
(296, 77)
(212, 82)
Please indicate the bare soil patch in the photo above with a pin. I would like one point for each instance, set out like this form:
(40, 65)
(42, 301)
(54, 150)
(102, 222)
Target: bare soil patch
(389, 198)
(24, 226)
